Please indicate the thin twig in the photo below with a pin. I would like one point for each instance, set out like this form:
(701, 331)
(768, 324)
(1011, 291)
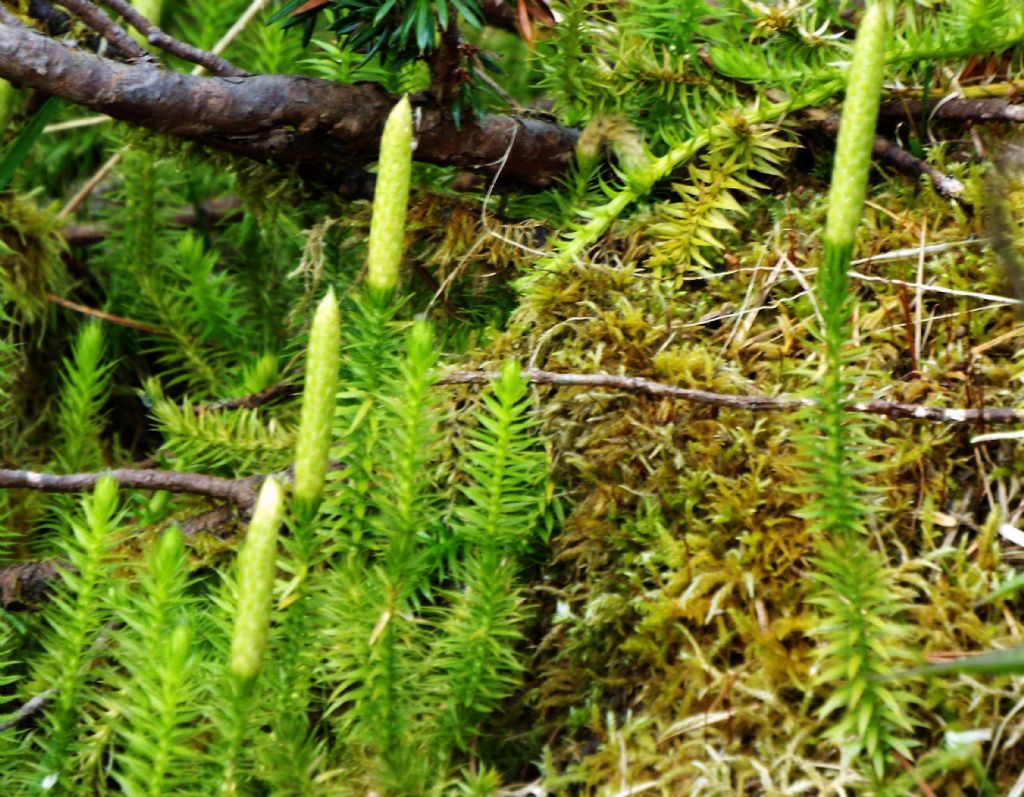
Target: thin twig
(642, 386)
(897, 157)
(105, 316)
(648, 387)
(241, 492)
(83, 193)
(253, 400)
(119, 41)
(183, 50)
(28, 708)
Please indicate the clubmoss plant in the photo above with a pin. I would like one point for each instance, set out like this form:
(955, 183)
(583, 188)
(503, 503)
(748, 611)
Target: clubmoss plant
(304, 545)
(254, 584)
(859, 632)
(85, 388)
(76, 615)
(162, 691)
(856, 137)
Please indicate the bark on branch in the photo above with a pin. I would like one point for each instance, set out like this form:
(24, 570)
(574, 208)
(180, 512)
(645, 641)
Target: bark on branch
(897, 157)
(278, 117)
(119, 41)
(241, 492)
(971, 109)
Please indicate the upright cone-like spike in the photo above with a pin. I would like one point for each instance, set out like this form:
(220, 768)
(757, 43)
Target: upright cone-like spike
(256, 564)
(318, 397)
(390, 199)
(857, 129)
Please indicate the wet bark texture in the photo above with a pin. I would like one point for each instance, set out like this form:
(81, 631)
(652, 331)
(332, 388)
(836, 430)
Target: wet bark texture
(281, 118)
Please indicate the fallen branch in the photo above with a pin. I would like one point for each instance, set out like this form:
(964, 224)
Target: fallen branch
(241, 492)
(120, 42)
(647, 387)
(642, 386)
(280, 118)
(27, 583)
(976, 109)
(895, 156)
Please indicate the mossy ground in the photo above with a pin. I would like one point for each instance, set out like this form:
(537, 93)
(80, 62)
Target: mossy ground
(676, 638)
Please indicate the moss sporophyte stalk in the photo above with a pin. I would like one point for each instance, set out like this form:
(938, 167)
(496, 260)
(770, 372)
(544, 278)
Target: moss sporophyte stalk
(390, 200)
(256, 564)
